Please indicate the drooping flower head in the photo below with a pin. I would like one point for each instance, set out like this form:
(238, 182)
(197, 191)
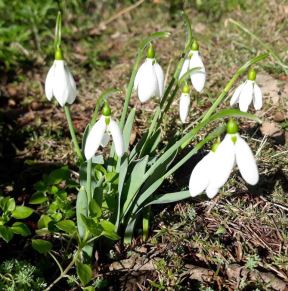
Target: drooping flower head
(100, 134)
(194, 61)
(184, 103)
(60, 82)
(247, 92)
(149, 80)
(212, 172)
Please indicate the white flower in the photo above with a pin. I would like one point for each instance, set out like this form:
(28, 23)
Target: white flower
(184, 103)
(149, 80)
(60, 84)
(247, 92)
(100, 135)
(212, 172)
(198, 77)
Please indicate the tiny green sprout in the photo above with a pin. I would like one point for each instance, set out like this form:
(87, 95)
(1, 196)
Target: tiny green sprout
(232, 126)
(186, 89)
(150, 52)
(58, 54)
(251, 74)
(195, 46)
(215, 145)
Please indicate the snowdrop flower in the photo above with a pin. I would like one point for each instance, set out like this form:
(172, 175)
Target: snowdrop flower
(246, 92)
(59, 81)
(149, 80)
(212, 172)
(194, 60)
(100, 135)
(184, 103)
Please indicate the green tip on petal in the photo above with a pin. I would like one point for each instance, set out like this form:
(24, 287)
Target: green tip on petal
(252, 74)
(107, 120)
(234, 139)
(195, 46)
(150, 52)
(186, 89)
(215, 146)
(58, 54)
(232, 126)
(106, 110)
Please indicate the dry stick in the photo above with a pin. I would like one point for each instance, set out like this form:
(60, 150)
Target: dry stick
(121, 12)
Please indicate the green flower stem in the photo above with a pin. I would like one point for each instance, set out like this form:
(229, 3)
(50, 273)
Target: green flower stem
(130, 88)
(62, 273)
(88, 184)
(229, 85)
(72, 132)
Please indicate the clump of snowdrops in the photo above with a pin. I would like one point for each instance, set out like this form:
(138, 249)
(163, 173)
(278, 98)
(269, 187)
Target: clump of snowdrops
(117, 190)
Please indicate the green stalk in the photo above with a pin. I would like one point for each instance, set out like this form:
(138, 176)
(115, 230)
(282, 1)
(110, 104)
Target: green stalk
(72, 132)
(88, 183)
(229, 85)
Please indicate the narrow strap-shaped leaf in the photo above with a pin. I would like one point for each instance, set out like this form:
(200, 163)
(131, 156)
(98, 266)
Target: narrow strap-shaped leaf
(81, 209)
(170, 197)
(128, 128)
(135, 181)
(122, 176)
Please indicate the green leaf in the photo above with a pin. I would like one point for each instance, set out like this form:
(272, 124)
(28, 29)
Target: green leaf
(44, 221)
(135, 181)
(187, 75)
(122, 176)
(41, 246)
(7, 204)
(170, 197)
(93, 227)
(22, 212)
(6, 233)
(189, 35)
(38, 198)
(127, 129)
(234, 113)
(59, 175)
(81, 209)
(84, 273)
(153, 36)
(67, 226)
(10, 205)
(21, 228)
(109, 230)
(95, 209)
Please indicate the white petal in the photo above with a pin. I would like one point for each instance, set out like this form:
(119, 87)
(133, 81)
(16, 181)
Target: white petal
(223, 163)
(246, 96)
(72, 88)
(147, 83)
(61, 83)
(105, 139)
(94, 138)
(257, 97)
(199, 178)
(137, 77)
(211, 192)
(185, 67)
(246, 161)
(117, 137)
(184, 106)
(198, 78)
(235, 96)
(49, 83)
(160, 78)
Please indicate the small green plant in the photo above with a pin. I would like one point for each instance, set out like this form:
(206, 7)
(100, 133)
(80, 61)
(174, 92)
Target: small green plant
(9, 212)
(20, 275)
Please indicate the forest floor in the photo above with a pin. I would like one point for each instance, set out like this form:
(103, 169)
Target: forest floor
(237, 241)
